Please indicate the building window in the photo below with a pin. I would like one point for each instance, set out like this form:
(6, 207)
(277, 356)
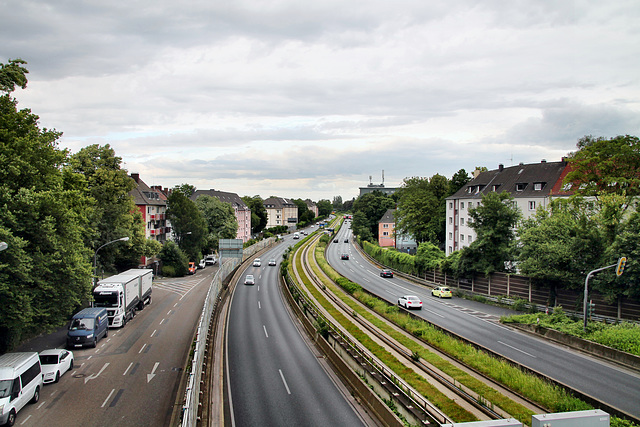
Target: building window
(385, 225)
(521, 186)
(470, 189)
(450, 249)
(469, 239)
(385, 233)
(450, 205)
(461, 205)
(461, 221)
(450, 235)
(450, 220)
(532, 205)
(538, 186)
(495, 187)
(462, 237)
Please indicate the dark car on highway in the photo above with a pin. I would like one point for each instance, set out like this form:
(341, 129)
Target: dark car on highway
(386, 273)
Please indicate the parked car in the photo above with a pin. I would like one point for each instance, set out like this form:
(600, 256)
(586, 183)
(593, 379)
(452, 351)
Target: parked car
(441, 292)
(202, 264)
(346, 240)
(409, 302)
(335, 240)
(386, 273)
(272, 262)
(249, 280)
(344, 256)
(87, 327)
(192, 268)
(256, 262)
(210, 259)
(55, 363)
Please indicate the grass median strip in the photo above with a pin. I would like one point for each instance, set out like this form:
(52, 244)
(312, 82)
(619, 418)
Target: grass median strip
(544, 393)
(420, 384)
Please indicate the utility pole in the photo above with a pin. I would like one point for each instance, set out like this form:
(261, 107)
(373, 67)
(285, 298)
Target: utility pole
(619, 270)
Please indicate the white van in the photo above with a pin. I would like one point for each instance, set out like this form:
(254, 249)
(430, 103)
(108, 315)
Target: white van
(20, 382)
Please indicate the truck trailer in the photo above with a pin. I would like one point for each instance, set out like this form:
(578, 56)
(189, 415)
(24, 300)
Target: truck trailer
(123, 294)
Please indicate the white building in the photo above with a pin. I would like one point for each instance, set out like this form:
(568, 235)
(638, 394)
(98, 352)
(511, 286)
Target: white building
(281, 211)
(531, 186)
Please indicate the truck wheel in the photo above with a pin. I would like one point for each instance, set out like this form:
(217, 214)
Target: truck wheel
(11, 419)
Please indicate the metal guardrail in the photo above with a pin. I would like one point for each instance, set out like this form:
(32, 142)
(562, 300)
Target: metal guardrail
(192, 394)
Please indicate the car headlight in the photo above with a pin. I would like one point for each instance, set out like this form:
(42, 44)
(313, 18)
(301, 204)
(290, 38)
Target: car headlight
(1, 409)
(89, 336)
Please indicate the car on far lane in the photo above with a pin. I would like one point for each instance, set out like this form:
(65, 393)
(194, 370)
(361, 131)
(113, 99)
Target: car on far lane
(344, 256)
(346, 240)
(272, 262)
(335, 240)
(256, 262)
(441, 292)
(249, 280)
(409, 302)
(55, 363)
(386, 273)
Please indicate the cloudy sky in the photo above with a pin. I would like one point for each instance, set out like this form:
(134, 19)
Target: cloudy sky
(308, 99)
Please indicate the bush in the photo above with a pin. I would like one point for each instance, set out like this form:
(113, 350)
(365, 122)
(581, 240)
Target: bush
(168, 271)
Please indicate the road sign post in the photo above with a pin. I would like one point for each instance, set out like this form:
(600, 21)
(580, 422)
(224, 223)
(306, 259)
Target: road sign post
(586, 307)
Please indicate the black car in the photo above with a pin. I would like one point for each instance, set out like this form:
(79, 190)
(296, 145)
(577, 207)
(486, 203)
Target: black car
(386, 273)
(335, 240)
(346, 240)
(344, 256)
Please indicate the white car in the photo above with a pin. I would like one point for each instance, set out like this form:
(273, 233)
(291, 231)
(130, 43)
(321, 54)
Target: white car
(249, 280)
(272, 262)
(409, 302)
(55, 363)
(256, 262)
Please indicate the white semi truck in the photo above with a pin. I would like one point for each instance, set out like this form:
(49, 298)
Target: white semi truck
(123, 294)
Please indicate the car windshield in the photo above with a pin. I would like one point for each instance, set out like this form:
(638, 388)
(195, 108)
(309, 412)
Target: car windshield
(80, 324)
(5, 388)
(49, 359)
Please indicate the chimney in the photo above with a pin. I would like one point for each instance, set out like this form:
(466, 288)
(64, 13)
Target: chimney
(136, 177)
(500, 167)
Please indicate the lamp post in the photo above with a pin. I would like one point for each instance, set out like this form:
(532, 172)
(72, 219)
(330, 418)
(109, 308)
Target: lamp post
(95, 258)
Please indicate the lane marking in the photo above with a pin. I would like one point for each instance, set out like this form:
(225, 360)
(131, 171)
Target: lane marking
(168, 312)
(162, 321)
(143, 346)
(107, 399)
(25, 420)
(153, 372)
(284, 381)
(265, 331)
(517, 349)
(433, 312)
(153, 333)
(40, 405)
(127, 370)
(94, 376)
(259, 307)
(115, 399)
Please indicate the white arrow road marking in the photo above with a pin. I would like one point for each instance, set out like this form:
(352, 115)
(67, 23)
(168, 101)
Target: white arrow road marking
(152, 374)
(94, 376)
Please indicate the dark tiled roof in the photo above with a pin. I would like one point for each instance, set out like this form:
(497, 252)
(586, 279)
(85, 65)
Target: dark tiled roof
(522, 181)
(223, 196)
(278, 203)
(143, 195)
(388, 217)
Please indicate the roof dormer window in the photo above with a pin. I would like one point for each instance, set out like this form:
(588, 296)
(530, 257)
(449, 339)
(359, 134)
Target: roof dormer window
(538, 186)
(521, 186)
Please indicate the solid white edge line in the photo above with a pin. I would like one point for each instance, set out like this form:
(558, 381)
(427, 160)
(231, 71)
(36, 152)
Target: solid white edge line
(517, 349)
(284, 381)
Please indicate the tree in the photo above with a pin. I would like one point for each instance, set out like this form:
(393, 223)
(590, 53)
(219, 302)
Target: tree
(115, 214)
(421, 209)
(627, 244)
(174, 260)
(45, 273)
(324, 208)
(304, 214)
(494, 221)
(220, 219)
(368, 209)
(561, 244)
(258, 213)
(337, 203)
(429, 256)
(606, 166)
(188, 224)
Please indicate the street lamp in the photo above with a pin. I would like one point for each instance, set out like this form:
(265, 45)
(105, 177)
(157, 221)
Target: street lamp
(95, 258)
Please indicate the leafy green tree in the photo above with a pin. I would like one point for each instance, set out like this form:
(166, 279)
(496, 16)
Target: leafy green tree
(494, 221)
(337, 203)
(304, 214)
(560, 244)
(174, 261)
(368, 209)
(421, 209)
(115, 214)
(324, 208)
(45, 273)
(220, 218)
(189, 225)
(604, 165)
(429, 256)
(627, 244)
(258, 213)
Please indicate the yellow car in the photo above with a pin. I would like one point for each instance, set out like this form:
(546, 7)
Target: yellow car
(441, 292)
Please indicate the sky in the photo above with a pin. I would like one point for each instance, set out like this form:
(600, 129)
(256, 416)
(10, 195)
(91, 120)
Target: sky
(304, 99)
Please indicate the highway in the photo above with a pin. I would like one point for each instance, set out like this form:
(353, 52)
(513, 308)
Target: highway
(607, 382)
(275, 378)
(131, 378)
